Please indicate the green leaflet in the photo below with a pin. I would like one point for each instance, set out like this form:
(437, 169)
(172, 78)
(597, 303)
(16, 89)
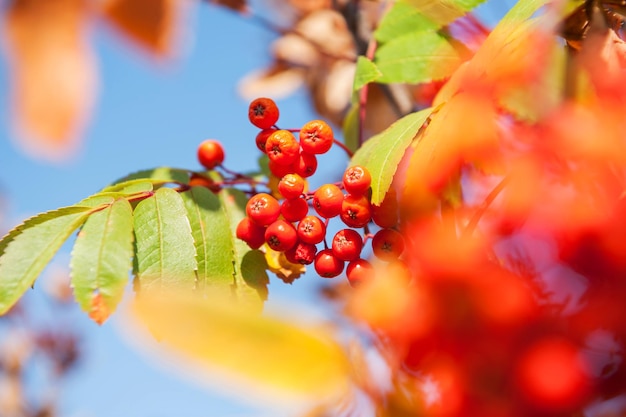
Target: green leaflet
(382, 153)
(403, 18)
(101, 259)
(165, 252)
(366, 72)
(443, 12)
(351, 128)
(417, 57)
(157, 176)
(250, 266)
(212, 237)
(28, 248)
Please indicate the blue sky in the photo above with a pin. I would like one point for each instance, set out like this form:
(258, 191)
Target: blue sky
(148, 116)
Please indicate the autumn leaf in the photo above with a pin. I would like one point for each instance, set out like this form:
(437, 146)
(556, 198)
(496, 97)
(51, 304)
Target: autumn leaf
(53, 73)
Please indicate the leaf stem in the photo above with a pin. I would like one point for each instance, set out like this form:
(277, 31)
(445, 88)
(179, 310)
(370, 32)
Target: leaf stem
(471, 226)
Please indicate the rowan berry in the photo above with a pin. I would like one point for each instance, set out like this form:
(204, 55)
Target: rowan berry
(199, 180)
(358, 270)
(251, 233)
(386, 214)
(263, 112)
(263, 209)
(282, 147)
(357, 180)
(291, 186)
(279, 170)
(281, 236)
(327, 200)
(311, 230)
(210, 153)
(306, 165)
(316, 137)
(387, 244)
(347, 244)
(261, 138)
(301, 253)
(328, 265)
(294, 210)
(355, 211)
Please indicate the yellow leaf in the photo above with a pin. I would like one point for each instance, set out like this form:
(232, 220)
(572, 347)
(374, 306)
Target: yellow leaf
(275, 358)
(278, 264)
(52, 71)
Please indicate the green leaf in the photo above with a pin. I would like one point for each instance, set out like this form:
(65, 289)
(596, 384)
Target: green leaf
(417, 57)
(101, 259)
(366, 72)
(139, 185)
(444, 12)
(159, 175)
(165, 253)
(403, 18)
(382, 153)
(351, 128)
(250, 266)
(28, 248)
(212, 238)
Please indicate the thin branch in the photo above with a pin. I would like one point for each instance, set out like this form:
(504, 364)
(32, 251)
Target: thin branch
(471, 226)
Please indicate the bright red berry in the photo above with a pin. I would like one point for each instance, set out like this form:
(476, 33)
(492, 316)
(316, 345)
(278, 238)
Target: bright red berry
(358, 270)
(263, 112)
(347, 244)
(386, 214)
(328, 265)
(356, 211)
(282, 147)
(311, 230)
(387, 244)
(261, 138)
(251, 233)
(306, 165)
(281, 236)
(294, 210)
(327, 200)
(291, 186)
(263, 209)
(357, 180)
(316, 137)
(210, 153)
(279, 170)
(301, 253)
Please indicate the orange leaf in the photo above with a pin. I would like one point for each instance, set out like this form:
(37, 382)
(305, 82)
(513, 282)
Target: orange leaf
(149, 23)
(53, 74)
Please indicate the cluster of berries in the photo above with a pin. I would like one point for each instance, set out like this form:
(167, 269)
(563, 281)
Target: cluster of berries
(286, 226)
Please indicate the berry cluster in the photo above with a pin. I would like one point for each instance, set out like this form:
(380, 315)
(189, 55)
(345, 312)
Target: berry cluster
(285, 222)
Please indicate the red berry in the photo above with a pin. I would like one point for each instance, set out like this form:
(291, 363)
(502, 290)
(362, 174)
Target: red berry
(210, 153)
(263, 209)
(294, 210)
(251, 233)
(328, 265)
(356, 211)
(357, 180)
(327, 200)
(316, 137)
(282, 147)
(306, 165)
(386, 214)
(291, 186)
(311, 230)
(281, 236)
(261, 138)
(301, 253)
(199, 180)
(347, 244)
(279, 170)
(358, 270)
(387, 244)
(263, 113)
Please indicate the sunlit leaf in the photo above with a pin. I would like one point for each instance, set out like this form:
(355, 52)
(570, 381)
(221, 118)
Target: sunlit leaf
(165, 252)
(417, 57)
(151, 24)
(160, 175)
(403, 18)
(366, 72)
(52, 72)
(251, 278)
(351, 128)
(382, 153)
(28, 248)
(444, 11)
(258, 354)
(101, 260)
